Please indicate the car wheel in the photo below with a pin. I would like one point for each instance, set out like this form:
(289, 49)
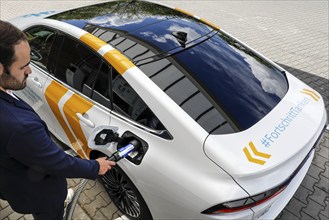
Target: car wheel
(125, 195)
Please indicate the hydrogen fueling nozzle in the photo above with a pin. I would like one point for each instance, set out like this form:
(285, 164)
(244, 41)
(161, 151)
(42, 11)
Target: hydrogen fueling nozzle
(132, 146)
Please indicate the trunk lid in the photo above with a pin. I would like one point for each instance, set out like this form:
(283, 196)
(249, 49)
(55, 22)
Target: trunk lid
(273, 148)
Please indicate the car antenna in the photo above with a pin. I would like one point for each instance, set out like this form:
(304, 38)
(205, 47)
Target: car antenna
(181, 37)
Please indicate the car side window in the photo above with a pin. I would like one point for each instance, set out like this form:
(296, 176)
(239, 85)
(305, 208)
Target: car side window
(126, 101)
(41, 40)
(79, 67)
(77, 64)
(97, 85)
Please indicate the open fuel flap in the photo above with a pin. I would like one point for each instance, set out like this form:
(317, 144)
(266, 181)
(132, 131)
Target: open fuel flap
(106, 139)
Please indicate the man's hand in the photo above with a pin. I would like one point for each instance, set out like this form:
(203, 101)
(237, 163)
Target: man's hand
(104, 165)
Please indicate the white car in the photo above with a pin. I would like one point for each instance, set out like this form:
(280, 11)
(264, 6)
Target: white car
(225, 133)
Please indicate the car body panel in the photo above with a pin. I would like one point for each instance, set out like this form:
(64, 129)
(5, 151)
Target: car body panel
(34, 94)
(279, 202)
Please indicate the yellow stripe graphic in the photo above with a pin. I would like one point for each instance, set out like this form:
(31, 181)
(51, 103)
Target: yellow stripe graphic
(201, 19)
(114, 57)
(118, 61)
(184, 12)
(251, 159)
(256, 152)
(209, 23)
(311, 93)
(53, 94)
(74, 105)
(92, 41)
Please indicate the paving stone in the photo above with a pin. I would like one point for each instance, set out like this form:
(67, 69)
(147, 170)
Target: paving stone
(294, 207)
(324, 151)
(319, 161)
(94, 191)
(109, 210)
(313, 209)
(319, 196)
(315, 171)
(28, 217)
(287, 215)
(323, 184)
(14, 216)
(99, 216)
(80, 214)
(96, 204)
(305, 216)
(84, 199)
(325, 211)
(302, 193)
(325, 173)
(323, 217)
(308, 182)
(90, 184)
(105, 196)
(5, 212)
(3, 204)
(326, 136)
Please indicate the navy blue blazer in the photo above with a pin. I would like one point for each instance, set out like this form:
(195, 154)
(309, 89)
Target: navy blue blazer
(33, 169)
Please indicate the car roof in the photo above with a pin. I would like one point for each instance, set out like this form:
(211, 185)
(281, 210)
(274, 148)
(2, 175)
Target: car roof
(222, 84)
(146, 33)
(161, 29)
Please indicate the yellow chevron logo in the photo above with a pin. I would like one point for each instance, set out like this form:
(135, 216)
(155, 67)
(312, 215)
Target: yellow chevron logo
(255, 152)
(311, 93)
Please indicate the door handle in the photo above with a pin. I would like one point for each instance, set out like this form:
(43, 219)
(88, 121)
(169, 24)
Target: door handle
(36, 82)
(85, 120)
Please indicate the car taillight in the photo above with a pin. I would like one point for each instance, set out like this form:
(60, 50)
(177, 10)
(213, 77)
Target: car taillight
(245, 203)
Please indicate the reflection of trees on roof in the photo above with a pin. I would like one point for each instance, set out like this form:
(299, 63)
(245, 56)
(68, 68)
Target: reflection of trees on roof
(131, 9)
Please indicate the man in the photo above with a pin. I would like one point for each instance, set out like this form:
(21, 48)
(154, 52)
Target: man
(33, 170)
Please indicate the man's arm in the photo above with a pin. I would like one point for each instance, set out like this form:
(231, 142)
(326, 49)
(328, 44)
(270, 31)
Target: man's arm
(31, 145)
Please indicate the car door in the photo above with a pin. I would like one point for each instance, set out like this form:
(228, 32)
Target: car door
(41, 40)
(69, 94)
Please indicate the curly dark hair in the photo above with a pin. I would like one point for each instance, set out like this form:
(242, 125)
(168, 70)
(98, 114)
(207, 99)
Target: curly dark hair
(9, 37)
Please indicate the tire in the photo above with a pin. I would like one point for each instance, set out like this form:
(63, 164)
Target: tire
(125, 195)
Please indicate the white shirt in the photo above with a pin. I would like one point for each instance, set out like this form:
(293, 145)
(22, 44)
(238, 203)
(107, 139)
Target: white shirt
(11, 93)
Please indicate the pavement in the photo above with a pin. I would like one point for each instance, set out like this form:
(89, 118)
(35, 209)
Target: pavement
(294, 34)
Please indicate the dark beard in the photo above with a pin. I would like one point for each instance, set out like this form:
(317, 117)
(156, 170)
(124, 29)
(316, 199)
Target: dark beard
(7, 81)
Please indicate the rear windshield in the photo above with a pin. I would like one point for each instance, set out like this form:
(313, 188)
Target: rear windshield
(243, 85)
(222, 85)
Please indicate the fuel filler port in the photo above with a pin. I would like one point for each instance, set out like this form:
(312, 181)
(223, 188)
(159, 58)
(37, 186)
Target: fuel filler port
(106, 140)
(137, 155)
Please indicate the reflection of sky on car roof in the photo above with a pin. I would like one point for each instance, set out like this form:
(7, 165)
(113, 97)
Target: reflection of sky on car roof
(155, 31)
(191, 34)
(245, 86)
(123, 21)
(271, 83)
(161, 35)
